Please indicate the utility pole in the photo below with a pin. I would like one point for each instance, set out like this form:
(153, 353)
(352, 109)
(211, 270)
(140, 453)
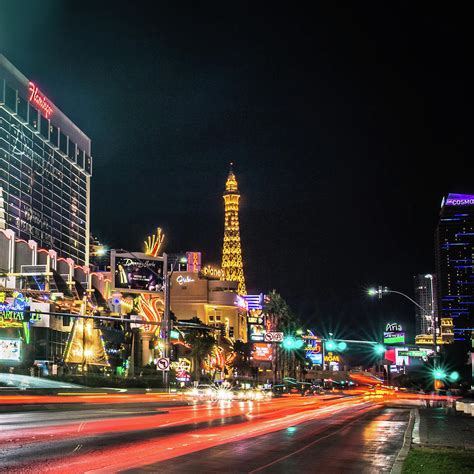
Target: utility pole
(166, 318)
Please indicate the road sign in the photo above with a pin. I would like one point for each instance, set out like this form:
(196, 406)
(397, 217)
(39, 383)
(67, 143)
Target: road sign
(274, 337)
(163, 363)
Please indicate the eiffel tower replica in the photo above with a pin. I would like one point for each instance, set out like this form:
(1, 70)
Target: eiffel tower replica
(232, 265)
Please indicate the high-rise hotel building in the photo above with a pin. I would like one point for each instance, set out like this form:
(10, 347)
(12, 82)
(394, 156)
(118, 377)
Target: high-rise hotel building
(45, 169)
(454, 261)
(426, 298)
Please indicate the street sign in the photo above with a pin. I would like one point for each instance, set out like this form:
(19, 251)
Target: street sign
(163, 363)
(274, 337)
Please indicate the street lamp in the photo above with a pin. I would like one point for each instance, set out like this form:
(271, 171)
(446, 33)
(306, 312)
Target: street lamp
(384, 290)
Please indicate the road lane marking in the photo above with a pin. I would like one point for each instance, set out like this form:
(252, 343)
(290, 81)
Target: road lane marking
(283, 458)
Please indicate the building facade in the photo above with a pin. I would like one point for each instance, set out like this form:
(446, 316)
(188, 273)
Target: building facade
(454, 261)
(426, 296)
(45, 169)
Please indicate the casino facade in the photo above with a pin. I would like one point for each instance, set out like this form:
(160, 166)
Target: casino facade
(45, 169)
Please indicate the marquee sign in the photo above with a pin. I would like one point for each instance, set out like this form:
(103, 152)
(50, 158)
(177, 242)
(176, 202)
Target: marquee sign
(37, 98)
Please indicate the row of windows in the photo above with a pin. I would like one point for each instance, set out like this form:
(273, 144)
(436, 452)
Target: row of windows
(30, 149)
(29, 115)
(44, 200)
(73, 249)
(58, 232)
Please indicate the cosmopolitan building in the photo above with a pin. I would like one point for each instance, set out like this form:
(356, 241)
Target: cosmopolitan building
(454, 260)
(45, 169)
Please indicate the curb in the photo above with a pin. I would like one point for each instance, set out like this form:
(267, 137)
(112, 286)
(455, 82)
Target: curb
(407, 439)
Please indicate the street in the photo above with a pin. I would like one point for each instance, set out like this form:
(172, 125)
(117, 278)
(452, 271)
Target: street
(289, 434)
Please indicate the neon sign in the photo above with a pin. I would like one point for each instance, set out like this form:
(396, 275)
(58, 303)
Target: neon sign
(181, 280)
(460, 200)
(211, 273)
(39, 100)
(393, 327)
(330, 357)
(15, 315)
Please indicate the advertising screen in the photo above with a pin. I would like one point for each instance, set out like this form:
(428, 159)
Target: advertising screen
(262, 352)
(393, 338)
(10, 349)
(137, 273)
(256, 327)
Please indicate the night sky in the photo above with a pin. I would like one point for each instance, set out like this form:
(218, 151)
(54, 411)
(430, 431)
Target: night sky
(346, 127)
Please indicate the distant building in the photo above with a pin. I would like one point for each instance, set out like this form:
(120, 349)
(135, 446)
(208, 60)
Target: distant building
(454, 263)
(45, 169)
(426, 297)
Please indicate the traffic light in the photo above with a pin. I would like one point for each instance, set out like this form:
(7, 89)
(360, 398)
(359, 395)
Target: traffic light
(379, 349)
(454, 376)
(333, 346)
(330, 345)
(290, 343)
(439, 374)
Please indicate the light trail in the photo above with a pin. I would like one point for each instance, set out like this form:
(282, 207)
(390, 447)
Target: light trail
(266, 417)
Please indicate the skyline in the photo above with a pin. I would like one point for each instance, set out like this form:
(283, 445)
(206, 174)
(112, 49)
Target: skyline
(304, 153)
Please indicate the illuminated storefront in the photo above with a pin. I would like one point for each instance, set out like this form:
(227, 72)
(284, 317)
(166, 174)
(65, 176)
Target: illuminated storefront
(214, 302)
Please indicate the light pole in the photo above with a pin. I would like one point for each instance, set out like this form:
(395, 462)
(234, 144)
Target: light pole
(384, 290)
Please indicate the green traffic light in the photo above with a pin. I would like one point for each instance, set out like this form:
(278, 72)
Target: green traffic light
(379, 349)
(288, 342)
(330, 345)
(342, 346)
(454, 376)
(439, 374)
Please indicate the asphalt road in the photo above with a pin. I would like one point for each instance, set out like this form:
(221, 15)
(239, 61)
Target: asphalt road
(289, 434)
(367, 444)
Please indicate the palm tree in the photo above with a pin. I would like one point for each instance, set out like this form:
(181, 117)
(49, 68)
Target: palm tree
(280, 318)
(243, 351)
(201, 343)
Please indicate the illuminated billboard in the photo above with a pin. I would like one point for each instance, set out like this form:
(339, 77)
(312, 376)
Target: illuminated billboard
(313, 348)
(137, 272)
(10, 349)
(391, 338)
(262, 352)
(256, 325)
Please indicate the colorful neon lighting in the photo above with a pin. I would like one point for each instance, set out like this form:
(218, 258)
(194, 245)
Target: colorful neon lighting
(39, 100)
(232, 264)
(460, 200)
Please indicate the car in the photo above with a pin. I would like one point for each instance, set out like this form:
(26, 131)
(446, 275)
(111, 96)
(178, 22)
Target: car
(202, 391)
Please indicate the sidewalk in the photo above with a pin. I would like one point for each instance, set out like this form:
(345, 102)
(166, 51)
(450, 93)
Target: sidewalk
(444, 427)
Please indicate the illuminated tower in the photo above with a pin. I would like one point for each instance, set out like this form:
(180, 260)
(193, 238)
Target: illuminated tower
(232, 265)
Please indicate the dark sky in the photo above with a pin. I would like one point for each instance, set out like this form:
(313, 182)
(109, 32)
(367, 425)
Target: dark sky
(346, 127)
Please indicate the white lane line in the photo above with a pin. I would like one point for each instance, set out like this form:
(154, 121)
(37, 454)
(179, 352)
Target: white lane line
(283, 458)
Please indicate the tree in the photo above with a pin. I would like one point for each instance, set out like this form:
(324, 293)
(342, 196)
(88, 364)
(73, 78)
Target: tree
(280, 317)
(201, 343)
(241, 363)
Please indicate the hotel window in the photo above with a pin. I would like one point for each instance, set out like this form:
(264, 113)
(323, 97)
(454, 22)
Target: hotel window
(22, 109)
(33, 117)
(54, 135)
(10, 98)
(63, 142)
(44, 127)
(211, 317)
